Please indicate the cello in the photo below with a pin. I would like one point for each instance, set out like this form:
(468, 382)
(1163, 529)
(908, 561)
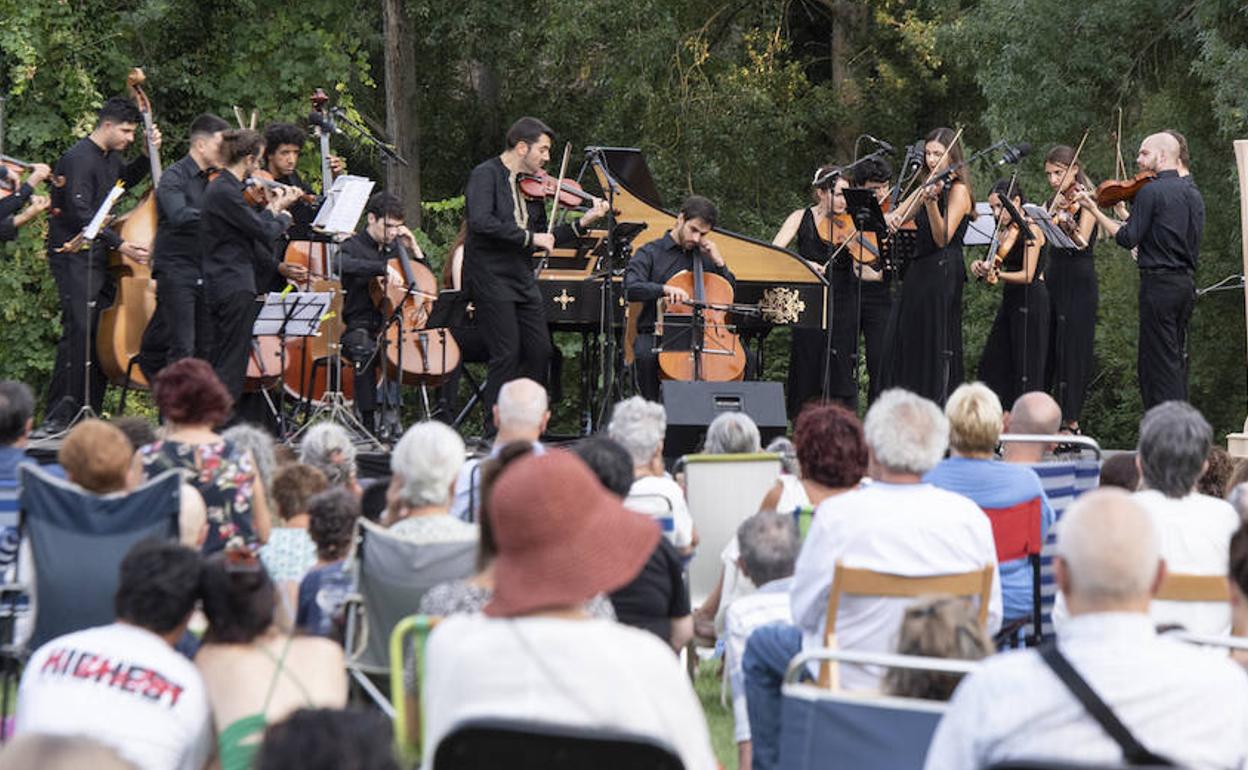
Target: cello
(416, 354)
(715, 353)
(120, 332)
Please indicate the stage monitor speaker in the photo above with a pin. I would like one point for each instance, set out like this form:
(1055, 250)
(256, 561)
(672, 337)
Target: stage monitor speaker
(691, 406)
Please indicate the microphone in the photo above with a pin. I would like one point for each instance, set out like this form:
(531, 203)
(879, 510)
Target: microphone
(323, 122)
(883, 145)
(1014, 153)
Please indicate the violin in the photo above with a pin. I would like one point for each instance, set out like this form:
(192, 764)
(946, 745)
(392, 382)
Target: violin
(1114, 191)
(261, 183)
(541, 186)
(1065, 212)
(720, 357)
(1006, 240)
(840, 231)
(12, 170)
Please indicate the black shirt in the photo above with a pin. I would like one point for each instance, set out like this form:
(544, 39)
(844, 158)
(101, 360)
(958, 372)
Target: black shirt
(652, 266)
(498, 249)
(90, 174)
(8, 207)
(1166, 222)
(178, 199)
(230, 230)
(361, 259)
(656, 596)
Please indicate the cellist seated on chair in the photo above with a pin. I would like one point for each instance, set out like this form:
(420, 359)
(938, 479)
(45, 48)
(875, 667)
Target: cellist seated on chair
(654, 264)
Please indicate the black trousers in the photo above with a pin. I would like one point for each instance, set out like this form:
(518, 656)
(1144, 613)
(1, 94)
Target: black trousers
(646, 365)
(233, 317)
(180, 328)
(876, 304)
(359, 346)
(517, 339)
(1166, 302)
(75, 289)
(1017, 347)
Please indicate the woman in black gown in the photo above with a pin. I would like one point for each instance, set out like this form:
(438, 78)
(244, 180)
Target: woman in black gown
(1073, 294)
(924, 340)
(1014, 355)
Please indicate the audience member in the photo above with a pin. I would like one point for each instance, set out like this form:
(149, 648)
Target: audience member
(1121, 471)
(193, 401)
(423, 467)
(322, 592)
(373, 502)
(975, 423)
(520, 414)
(17, 409)
(1219, 467)
(639, 425)
(783, 446)
(255, 673)
(60, 752)
(769, 545)
(328, 447)
(1237, 577)
(898, 524)
(936, 627)
(1238, 498)
(139, 430)
(328, 739)
(124, 684)
(1016, 708)
(260, 443)
(536, 654)
(1239, 474)
(732, 433)
(290, 552)
(656, 599)
(1034, 413)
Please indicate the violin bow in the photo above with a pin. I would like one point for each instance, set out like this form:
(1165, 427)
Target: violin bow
(932, 173)
(1066, 174)
(554, 207)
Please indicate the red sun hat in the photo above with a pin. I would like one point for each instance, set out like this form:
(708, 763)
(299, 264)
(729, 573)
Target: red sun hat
(562, 538)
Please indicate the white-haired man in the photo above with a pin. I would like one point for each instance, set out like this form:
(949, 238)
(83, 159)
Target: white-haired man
(520, 414)
(639, 426)
(899, 525)
(1178, 702)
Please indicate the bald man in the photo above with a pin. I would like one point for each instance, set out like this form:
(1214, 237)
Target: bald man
(1165, 226)
(1033, 413)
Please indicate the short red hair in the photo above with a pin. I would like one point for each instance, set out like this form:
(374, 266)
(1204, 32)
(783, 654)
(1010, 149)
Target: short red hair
(189, 392)
(830, 446)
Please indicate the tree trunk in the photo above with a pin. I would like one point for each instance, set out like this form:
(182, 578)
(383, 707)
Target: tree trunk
(401, 118)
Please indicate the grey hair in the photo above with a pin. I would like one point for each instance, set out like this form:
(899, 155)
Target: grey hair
(328, 448)
(1174, 442)
(522, 403)
(732, 433)
(788, 455)
(769, 544)
(638, 425)
(427, 459)
(1110, 547)
(260, 443)
(1238, 498)
(906, 432)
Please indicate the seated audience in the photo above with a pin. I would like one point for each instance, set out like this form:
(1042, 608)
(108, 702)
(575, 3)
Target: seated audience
(328, 447)
(139, 430)
(936, 627)
(1034, 413)
(1239, 474)
(656, 599)
(60, 752)
(732, 433)
(536, 654)
(1219, 467)
(260, 443)
(328, 739)
(1237, 578)
(639, 426)
(769, 545)
(1238, 498)
(124, 684)
(255, 673)
(898, 524)
(193, 402)
(520, 414)
(423, 467)
(975, 423)
(322, 592)
(290, 552)
(1121, 471)
(1015, 707)
(17, 410)
(788, 493)
(373, 502)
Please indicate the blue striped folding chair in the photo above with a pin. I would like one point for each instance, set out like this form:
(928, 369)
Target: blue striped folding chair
(657, 507)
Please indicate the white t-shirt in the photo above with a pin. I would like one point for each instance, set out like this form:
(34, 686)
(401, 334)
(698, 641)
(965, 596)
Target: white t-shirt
(647, 495)
(125, 687)
(573, 673)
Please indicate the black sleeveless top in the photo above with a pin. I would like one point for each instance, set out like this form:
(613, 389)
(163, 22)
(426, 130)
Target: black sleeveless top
(1013, 261)
(1059, 253)
(925, 244)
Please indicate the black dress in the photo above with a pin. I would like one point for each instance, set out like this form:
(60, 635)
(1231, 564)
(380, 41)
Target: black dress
(1017, 347)
(923, 346)
(1073, 299)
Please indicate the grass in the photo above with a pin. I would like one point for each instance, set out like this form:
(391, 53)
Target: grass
(718, 716)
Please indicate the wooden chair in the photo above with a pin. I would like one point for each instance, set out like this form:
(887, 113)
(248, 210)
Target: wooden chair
(852, 581)
(1180, 587)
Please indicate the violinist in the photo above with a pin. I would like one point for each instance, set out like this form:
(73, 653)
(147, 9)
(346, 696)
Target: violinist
(873, 290)
(229, 228)
(362, 259)
(924, 339)
(89, 169)
(179, 328)
(1070, 276)
(1013, 359)
(1165, 225)
(284, 146)
(653, 264)
(505, 232)
(816, 228)
(12, 214)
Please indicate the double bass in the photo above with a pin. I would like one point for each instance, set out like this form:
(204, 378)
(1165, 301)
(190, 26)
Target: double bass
(715, 352)
(120, 332)
(416, 354)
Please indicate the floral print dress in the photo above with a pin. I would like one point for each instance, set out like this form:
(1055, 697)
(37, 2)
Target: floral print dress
(225, 477)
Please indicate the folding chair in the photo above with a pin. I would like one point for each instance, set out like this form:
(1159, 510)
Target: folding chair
(1017, 533)
(418, 627)
(858, 730)
(657, 507)
(850, 581)
(78, 540)
(392, 574)
(1181, 587)
(487, 744)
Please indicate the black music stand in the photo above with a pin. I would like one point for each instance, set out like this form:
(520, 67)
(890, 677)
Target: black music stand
(287, 314)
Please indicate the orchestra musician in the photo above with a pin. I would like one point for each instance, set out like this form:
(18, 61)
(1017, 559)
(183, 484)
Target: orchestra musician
(12, 214)
(179, 328)
(1014, 354)
(653, 264)
(505, 231)
(873, 289)
(230, 229)
(89, 169)
(362, 258)
(1070, 275)
(1165, 225)
(924, 338)
(283, 147)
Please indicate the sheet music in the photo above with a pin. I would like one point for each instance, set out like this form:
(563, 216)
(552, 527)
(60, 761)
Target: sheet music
(299, 311)
(979, 231)
(97, 221)
(344, 205)
(1055, 235)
